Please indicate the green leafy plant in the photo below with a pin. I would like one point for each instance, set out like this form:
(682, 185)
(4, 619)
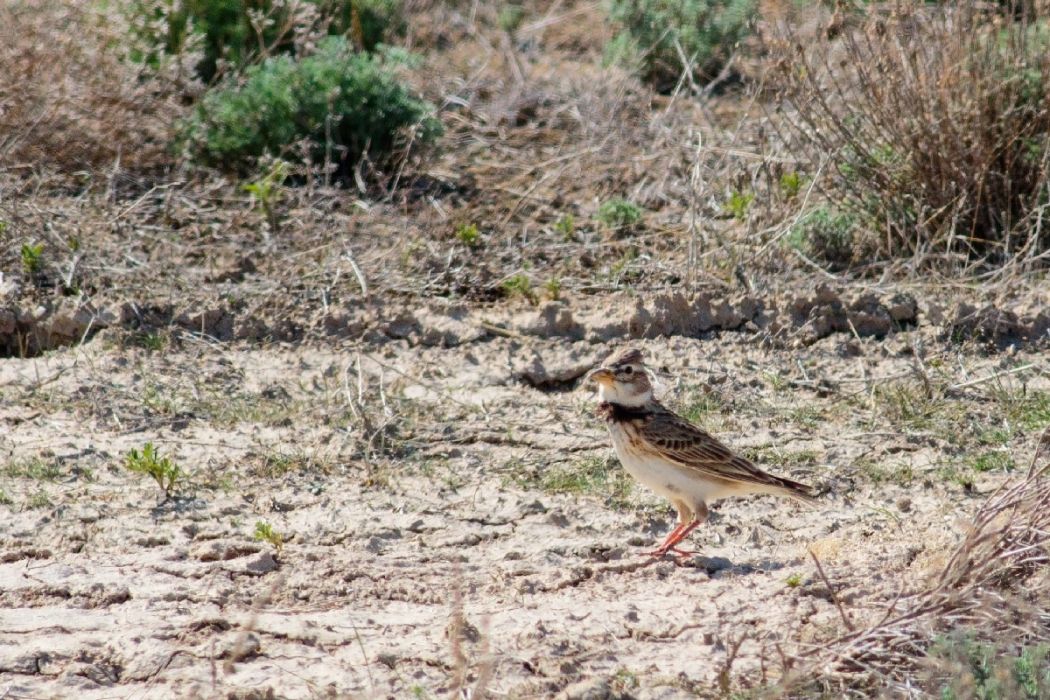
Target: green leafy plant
(973, 668)
(468, 235)
(619, 213)
(793, 581)
(553, 288)
(264, 532)
(32, 258)
(510, 17)
(519, 285)
(240, 33)
(162, 470)
(266, 191)
(566, 226)
(790, 185)
(665, 39)
(827, 235)
(342, 103)
(738, 204)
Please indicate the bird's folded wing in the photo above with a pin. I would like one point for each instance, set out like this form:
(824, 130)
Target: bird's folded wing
(683, 443)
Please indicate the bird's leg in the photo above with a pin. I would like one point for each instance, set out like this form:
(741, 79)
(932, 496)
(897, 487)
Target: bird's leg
(663, 548)
(681, 532)
(669, 546)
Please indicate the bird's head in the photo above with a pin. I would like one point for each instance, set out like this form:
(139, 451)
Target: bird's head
(623, 379)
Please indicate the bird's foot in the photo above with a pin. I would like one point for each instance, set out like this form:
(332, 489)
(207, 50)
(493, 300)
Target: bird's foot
(660, 552)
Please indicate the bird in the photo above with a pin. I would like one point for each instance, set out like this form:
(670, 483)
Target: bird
(671, 456)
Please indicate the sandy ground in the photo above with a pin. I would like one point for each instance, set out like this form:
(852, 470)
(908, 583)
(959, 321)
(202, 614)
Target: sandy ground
(438, 534)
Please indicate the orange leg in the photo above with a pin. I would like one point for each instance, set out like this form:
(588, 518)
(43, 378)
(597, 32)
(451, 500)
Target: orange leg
(685, 527)
(666, 544)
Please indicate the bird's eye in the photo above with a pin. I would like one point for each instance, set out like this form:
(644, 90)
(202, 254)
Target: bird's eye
(628, 370)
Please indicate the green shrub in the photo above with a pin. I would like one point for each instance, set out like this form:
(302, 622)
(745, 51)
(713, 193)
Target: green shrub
(619, 213)
(826, 235)
(972, 668)
(243, 31)
(353, 99)
(653, 31)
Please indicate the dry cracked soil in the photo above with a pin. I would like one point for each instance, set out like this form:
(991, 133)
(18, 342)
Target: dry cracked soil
(445, 516)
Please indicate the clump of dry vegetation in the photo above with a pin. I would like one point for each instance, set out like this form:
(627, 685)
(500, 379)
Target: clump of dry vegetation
(934, 123)
(994, 590)
(69, 101)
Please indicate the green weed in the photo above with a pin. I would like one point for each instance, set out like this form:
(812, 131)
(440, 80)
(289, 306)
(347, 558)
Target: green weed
(619, 213)
(266, 191)
(32, 258)
(264, 532)
(468, 235)
(566, 226)
(553, 288)
(738, 204)
(519, 285)
(790, 185)
(339, 102)
(656, 33)
(5, 500)
(162, 470)
(793, 581)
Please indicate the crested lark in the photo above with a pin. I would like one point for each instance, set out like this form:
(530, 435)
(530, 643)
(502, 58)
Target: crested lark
(671, 456)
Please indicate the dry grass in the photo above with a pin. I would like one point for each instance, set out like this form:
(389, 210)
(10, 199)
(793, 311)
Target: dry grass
(993, 582)
(69, 103)
(934, 123)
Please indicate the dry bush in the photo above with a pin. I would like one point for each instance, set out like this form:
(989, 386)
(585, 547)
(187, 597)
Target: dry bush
(994, 584)
(935, 122)
(68, 101)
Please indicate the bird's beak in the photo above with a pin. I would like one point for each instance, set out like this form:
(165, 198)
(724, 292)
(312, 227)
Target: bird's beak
(600, 375)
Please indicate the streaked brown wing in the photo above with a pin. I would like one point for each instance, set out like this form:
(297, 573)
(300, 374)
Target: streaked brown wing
(680, 441)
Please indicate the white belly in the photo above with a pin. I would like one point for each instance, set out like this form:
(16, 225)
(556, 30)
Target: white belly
(665, 479)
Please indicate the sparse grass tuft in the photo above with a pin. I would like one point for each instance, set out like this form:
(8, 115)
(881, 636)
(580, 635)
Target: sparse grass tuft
(33, 468)
(5, 500)
(970, 668)
(992, 462)
(38, 499)
(592, 476)
(162, 470)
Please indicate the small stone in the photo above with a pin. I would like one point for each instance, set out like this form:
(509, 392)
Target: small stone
(904, 504)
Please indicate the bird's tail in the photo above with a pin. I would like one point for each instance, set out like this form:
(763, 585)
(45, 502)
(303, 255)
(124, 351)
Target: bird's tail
(796, 491)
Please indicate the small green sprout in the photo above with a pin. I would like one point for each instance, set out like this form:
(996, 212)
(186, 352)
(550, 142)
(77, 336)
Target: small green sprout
(264, 532)
(468, 235)
(738, 204)
(519, 285)
(166, 473)
(793, 581)
(566, 226)
(32, 258)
